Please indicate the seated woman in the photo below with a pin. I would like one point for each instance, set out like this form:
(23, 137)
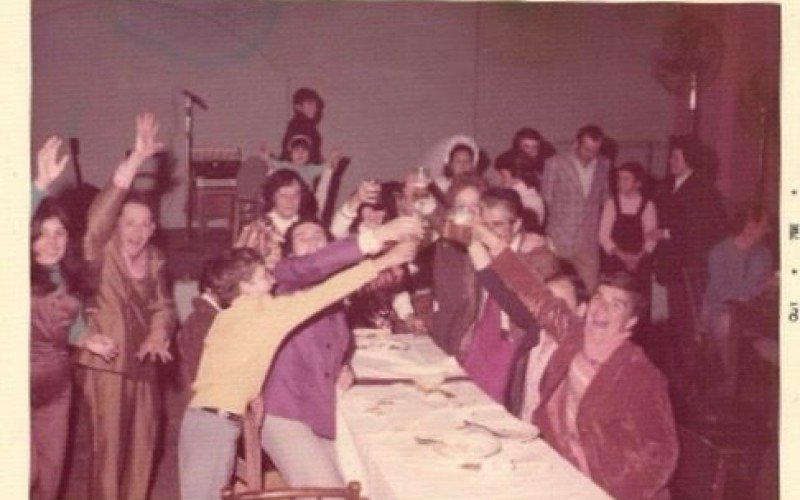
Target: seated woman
(627, 225)
(299, 392)
(604, 406)
(298, 159)
(286, 200)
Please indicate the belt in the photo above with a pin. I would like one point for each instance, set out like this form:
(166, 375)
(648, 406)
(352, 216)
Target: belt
(233, 417)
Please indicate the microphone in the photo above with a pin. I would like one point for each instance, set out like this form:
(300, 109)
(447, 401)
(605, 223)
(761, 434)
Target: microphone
(195, 99)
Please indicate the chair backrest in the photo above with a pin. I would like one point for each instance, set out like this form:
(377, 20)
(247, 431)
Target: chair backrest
(701, 468)
(350, 492)
(694, 281)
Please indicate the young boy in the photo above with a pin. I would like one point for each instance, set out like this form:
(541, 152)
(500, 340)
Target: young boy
(242, 341)
(214, 296)
(307, 114)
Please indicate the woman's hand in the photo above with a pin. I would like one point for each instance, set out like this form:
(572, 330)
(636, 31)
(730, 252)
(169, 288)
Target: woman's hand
(49, 165)
(100, 345)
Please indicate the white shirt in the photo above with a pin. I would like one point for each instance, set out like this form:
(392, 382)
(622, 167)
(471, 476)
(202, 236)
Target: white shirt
(537, 362)
(681, 179)
(585, 173)
(281, 224)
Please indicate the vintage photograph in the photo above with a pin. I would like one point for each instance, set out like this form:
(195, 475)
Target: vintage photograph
(404, 250)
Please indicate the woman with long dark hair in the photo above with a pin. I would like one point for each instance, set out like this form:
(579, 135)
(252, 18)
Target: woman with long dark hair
(57, 290)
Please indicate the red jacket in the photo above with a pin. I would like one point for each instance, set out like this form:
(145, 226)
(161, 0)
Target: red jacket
(625, 421)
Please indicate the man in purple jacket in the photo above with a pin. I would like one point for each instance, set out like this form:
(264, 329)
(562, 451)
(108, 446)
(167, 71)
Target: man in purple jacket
(300, 390)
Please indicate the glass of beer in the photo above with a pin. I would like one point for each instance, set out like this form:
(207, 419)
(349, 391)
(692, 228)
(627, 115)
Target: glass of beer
(419, 184)
(458, 226)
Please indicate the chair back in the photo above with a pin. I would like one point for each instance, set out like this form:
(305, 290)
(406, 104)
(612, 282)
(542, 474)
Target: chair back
(701, 468)
(350, 492)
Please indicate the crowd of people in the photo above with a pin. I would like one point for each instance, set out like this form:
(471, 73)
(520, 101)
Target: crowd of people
(533, 271)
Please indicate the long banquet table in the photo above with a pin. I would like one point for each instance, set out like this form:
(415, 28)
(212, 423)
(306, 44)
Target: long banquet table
(389, 430)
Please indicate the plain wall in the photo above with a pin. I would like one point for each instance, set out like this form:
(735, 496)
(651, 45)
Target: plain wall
(396, 78)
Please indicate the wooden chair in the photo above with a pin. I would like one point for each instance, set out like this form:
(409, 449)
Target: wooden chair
(248, 193)
(701, 470)
(248, 470)
(350, 492)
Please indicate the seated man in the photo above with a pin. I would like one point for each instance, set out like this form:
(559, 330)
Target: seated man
(739, 269)
(604, 406)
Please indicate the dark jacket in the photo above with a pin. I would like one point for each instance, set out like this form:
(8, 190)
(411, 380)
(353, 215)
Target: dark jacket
(625, 421)
(696, 221)
(191, 337)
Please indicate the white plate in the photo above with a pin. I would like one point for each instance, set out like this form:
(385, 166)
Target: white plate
(372, 333)
(503, 423)
(467, 445)
(381, 344)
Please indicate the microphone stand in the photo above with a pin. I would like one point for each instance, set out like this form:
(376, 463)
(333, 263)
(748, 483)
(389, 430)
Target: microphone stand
(189, 130)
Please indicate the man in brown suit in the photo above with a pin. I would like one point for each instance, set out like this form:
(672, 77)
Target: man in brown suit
(132, 307)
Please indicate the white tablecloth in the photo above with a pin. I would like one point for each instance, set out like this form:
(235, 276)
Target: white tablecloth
(377, 427)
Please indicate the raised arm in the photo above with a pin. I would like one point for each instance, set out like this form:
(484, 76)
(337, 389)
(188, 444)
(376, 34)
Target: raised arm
(48, 168)
(509, 302)
(293, 273)
(551, 313)
(302, 305)
(105, 208)
(297, 272)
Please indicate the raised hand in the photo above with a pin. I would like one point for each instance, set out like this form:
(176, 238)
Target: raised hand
(399, 229)
(368, 192)
(146, 144)
(49, 165)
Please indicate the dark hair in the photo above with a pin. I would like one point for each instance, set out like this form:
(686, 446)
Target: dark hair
(691, 148)
(629, 283)
(448, 171)
(227, 271)
(593, 132)
(566, 271)
(386, 202)
(634, 168)
(286, 248)
(506, 197)
(745, 213)
(140, 198)
(462, 182)
(299, 141)
(72, 267)
(285, 177)
(525, 133)
(304, 94)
